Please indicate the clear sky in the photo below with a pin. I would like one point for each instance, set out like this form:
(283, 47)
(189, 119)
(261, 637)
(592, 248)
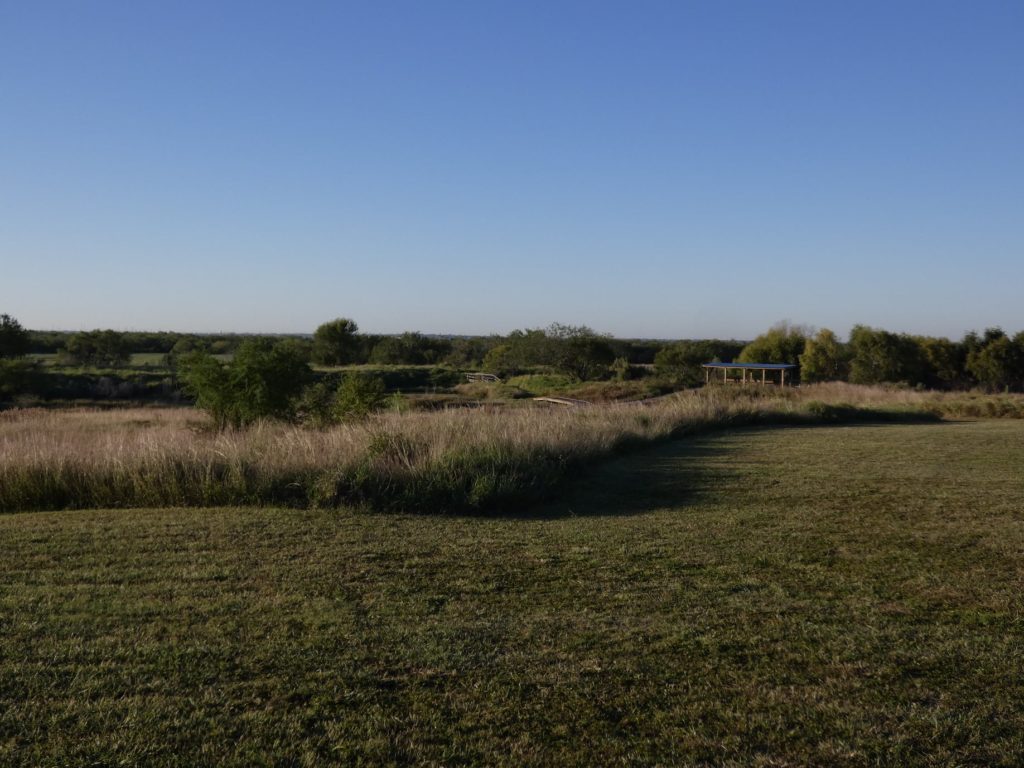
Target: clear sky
(656, 169)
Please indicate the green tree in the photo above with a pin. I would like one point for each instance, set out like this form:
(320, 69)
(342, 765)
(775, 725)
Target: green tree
(682, 361)
(14, 340)
(263, 380)
(575, 350)
(500, 360)
(409, 349)
(783, 343)
(99, 349)
(585, 356)
(16, 377)
(184, 346)
(336, 342)
(999, 363)
(824, 358)
(945, 361)
(878, 356)
(358, 396)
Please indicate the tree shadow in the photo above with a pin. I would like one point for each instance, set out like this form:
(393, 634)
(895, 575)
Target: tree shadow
(672, 474)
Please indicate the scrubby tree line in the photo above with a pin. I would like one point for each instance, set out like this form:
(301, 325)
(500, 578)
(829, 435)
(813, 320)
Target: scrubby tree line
(152, 342)
(239, 379)
(993, 360)
(576, 350)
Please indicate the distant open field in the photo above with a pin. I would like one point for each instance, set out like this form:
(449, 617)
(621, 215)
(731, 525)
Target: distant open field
(794, 596)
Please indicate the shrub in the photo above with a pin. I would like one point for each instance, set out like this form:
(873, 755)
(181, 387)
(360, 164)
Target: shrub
(358, 396)
(263, 380)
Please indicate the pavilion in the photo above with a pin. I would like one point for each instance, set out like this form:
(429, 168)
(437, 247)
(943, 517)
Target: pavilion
(749, 372)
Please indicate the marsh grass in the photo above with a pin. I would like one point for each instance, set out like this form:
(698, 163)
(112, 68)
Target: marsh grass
(449, 461)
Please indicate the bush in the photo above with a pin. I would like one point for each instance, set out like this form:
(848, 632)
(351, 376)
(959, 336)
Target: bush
(358, 396)
(263, 380)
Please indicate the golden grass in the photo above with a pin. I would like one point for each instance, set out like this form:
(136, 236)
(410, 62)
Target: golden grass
(443, 460)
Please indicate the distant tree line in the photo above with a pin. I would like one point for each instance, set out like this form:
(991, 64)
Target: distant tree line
(993, 360)
(142, 342)
(576, 350)
(241, 378)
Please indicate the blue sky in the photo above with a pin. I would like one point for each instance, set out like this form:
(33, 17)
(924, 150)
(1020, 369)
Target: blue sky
(656, 169)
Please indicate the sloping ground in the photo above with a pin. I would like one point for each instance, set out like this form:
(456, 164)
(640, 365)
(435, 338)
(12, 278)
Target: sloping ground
(829, 596)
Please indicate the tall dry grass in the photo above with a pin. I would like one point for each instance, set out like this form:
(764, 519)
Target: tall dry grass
(428, 461)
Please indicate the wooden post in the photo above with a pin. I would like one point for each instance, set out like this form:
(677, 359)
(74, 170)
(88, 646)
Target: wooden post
(707, 375)
(782, 381)
(764, 376)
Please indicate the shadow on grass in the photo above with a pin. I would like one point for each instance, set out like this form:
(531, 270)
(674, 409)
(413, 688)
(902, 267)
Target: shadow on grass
(676, 473)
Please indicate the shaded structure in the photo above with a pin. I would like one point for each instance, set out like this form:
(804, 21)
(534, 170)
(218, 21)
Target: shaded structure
(749, 372)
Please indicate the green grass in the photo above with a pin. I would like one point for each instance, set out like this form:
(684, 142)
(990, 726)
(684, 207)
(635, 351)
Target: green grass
(799, 596)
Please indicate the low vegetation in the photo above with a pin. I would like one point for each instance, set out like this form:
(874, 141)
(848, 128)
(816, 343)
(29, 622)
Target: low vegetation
(442, 461)
(827, 596)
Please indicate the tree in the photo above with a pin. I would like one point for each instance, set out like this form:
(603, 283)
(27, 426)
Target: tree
(999, 363)
(263, 380)
(336, 342)
(682, 361)
(99, 349)
(585, 356)
(945, 361)
(14, 339)
(824, 358)
(500, 360)
(878, 356)
(409, 349)
(184, 346)
(575, 350)
(783, 343)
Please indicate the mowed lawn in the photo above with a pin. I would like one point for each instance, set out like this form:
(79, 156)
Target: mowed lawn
(812, 596)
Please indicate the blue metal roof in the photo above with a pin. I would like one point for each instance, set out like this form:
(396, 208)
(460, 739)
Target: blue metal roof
(752, 366)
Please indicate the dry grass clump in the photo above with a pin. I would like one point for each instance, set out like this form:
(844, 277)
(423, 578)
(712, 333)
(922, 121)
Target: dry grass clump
(450, 460)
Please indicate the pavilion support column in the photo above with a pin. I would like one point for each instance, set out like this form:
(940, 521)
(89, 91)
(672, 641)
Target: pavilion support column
(764, 376)
(707, 375)
(783, 380)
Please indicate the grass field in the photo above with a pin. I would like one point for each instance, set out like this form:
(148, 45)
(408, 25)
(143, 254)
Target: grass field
(482, 460)
(798, 596)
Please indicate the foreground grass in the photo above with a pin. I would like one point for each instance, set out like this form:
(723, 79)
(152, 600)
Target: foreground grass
(802, 596)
